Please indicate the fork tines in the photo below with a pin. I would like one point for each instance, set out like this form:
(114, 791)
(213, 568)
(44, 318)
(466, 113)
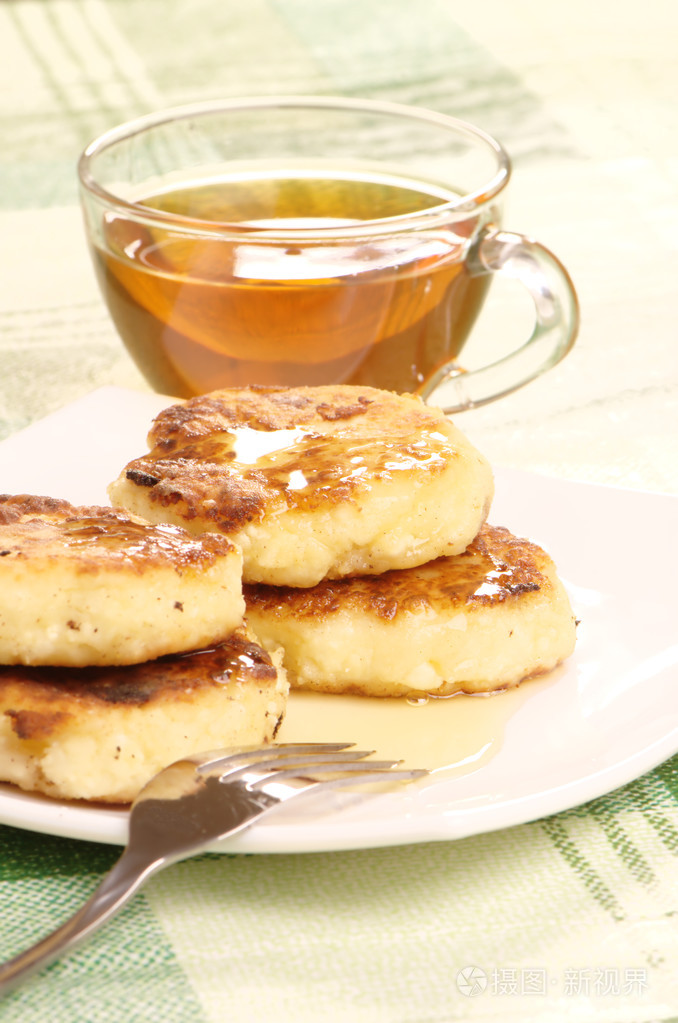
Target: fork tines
(289, 760)
(275, 752)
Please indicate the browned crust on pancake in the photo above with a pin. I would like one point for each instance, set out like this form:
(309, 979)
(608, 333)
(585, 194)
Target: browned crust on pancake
(49, 528)
(260, 408)
(193, 450)
(182, 484)
(497, 567)
(13, 507)
(38, 700)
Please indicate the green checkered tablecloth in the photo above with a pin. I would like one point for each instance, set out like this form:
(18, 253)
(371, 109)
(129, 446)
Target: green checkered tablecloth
(569, 918)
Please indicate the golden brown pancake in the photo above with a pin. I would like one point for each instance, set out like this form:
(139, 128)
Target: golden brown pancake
(101, 733)
(475, 622)
(312, 482)
(82, 586)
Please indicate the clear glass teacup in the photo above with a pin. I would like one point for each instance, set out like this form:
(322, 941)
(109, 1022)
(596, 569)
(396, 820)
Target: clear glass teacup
(310, 240)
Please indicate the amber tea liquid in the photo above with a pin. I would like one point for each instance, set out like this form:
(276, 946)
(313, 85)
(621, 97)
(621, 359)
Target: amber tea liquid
(203, 313)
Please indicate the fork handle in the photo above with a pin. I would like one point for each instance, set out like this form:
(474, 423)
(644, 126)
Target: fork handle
(120, 883)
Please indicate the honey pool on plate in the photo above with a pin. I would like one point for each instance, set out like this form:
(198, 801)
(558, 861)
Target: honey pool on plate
(450, 736)
(239, 308)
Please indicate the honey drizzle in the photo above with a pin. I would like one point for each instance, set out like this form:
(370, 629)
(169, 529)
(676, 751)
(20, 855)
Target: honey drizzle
(446, 736)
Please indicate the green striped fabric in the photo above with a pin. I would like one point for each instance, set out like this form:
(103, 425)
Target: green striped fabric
(43, 880)
(572, 919)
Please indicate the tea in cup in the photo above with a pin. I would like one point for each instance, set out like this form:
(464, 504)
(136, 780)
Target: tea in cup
(313, 240)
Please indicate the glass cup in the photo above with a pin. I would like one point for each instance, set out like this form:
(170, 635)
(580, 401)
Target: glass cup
(313, 240)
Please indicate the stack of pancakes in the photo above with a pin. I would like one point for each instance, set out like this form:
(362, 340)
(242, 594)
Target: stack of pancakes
(122, 648)
(361, 515)
(347, 524)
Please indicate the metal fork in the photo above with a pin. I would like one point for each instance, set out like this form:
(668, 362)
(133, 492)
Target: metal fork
(198, 801)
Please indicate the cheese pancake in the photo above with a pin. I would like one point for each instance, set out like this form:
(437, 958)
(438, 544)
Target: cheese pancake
(313, 482)
(83, 586)
(477, 622)
(101, 733)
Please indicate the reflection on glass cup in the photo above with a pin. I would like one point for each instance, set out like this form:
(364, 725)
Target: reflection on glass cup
(311, 240)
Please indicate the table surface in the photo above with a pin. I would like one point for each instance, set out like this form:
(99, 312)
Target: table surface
(571, 917)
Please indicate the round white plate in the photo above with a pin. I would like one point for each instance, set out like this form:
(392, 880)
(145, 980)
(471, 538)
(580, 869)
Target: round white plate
(607, 716)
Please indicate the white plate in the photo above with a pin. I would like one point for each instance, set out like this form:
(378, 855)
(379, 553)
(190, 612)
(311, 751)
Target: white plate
(600, 721)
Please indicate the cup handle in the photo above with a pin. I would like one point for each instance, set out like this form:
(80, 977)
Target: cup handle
(556, 326)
